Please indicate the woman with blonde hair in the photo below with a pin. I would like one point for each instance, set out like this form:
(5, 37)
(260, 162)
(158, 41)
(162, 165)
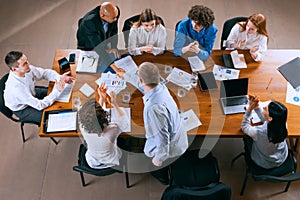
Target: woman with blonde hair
(147, 35)
(251, 34)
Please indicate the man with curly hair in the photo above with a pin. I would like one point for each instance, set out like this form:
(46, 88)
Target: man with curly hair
(196, 34)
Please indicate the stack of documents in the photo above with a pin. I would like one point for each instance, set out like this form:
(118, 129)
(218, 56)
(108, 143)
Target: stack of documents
(112, 81)
(222, 73)
(87, 62)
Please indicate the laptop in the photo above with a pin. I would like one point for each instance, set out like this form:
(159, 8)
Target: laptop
(207, 81)
(234, 95)
(228, 61)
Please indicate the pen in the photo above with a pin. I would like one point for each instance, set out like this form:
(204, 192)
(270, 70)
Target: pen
(269, 83)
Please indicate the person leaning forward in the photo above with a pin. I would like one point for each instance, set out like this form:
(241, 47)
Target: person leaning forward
(21, 96)
(99, 26)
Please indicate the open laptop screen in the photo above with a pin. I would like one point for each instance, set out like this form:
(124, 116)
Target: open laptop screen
(234, 87)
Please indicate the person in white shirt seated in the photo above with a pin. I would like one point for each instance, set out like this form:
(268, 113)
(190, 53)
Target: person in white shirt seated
(147, 35)
(251, 35)
(21, 96)
(99, 133)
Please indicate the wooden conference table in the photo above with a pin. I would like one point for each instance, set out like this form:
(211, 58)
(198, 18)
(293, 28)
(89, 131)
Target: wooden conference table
(205, 104)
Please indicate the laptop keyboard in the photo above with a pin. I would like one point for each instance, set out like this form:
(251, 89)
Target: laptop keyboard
(235, 101)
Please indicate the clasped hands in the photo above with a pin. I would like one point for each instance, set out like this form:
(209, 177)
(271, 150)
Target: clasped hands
(192, 47)
(253, 102)
(148, 49)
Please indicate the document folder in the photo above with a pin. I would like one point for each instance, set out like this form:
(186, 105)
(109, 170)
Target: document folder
(56, 121)
(291, 72)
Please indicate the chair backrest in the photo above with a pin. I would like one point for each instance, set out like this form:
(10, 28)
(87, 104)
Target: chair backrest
(85, 168)
(196, 178)
(5, 110)
(127, 25)
(227, 26)
(191, 171)
(217, 192)
(176, 26)
(289, 166)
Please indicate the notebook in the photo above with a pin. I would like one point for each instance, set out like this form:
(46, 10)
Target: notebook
(207, 81)
(291, 72)
(234, 60)
(234, 95)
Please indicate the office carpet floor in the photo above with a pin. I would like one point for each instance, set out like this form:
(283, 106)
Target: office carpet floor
(41, 170)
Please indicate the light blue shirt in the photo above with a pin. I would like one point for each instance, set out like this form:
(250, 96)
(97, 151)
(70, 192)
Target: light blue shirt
(185, 34)
(166, 137)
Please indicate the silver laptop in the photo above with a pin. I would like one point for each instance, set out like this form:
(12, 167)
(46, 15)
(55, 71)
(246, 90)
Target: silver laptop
(234, 95)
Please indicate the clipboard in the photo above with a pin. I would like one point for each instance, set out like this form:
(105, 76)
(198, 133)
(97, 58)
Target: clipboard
(57, 121)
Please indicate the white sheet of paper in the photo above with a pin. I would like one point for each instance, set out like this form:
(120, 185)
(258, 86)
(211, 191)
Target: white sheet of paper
(112, 81)
(196, 64)
(238, 60)
(66, 93)
(190, 120)
(180, 78)
(127, 64)
(127, 111)
(87, 62)
(87, 90)
(222, 73)
(292, 95)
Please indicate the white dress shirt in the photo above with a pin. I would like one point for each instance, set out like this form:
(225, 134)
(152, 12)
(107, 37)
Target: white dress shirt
(139, 37)
(20, 91)
(251, 40)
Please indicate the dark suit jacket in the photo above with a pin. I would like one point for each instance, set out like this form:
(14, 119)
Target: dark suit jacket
(90, 31)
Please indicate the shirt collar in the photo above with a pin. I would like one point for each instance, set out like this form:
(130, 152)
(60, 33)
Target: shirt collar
(149, 94)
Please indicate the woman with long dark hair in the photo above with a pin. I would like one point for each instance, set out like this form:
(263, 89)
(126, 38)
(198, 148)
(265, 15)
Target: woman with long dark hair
(267, 147)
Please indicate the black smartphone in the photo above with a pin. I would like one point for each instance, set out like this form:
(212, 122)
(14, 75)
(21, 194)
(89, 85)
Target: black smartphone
(72, 58)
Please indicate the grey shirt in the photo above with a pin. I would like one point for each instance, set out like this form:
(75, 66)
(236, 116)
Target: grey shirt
(264, 153)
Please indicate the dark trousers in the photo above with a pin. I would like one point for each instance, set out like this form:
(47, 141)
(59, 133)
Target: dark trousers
(30, 114)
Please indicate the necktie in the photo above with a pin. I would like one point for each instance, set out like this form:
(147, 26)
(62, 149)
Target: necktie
(105, 26)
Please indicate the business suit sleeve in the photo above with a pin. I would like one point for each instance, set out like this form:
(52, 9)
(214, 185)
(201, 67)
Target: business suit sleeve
(90, 34)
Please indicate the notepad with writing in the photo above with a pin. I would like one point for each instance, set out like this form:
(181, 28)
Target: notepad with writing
(87, 62)
(60, 121)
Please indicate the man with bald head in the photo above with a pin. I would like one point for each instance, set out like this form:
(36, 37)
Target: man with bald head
(99, 29)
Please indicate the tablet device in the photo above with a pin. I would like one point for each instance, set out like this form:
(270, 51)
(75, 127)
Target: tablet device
(207, 81)
(56, 121)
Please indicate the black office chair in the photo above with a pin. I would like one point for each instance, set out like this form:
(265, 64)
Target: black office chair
(9, 114)
(127, 25)
(83, 167)
(194, 178)
(227, 26)
(284, 173)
